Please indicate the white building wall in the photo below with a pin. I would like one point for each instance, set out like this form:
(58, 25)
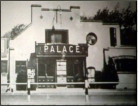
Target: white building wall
(24, 44)
(77, 34)
(127, 81)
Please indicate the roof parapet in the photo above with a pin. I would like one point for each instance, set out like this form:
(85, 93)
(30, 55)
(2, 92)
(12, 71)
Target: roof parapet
(36, 5)
(63, 10)
(74, 7)
(48, 9)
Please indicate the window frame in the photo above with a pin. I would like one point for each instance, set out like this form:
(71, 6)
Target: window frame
(113, 38)
(20, 65)
(124, 35)
(6, 65)
(48, 33)
(117, 58)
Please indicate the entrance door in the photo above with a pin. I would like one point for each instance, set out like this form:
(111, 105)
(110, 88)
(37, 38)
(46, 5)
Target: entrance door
(61, 71)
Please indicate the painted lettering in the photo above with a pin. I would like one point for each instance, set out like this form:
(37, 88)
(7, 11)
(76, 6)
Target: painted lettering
(77, 49)
(58, 50)
(71, 51)
(64, 49)
(52, 49)
(61, 48)
(45, 48)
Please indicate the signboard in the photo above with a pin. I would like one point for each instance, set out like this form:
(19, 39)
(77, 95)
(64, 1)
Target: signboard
(91, 75)
(61, 79)
(61, 49)
(31, 73)
(61, 72)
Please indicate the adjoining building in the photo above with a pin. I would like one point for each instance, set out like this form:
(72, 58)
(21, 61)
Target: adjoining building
(4, 60)
(57, 46)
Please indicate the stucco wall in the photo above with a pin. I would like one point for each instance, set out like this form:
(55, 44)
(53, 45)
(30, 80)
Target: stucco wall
(128, 81)
(24, 44)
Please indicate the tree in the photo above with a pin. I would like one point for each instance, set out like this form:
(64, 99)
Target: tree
(102, 15)
(15, 31)
(126, 18)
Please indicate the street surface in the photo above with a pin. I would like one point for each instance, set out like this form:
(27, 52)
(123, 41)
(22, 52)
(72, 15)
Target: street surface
(70, 97)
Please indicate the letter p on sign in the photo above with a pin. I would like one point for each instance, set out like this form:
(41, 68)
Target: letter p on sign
(45, 48)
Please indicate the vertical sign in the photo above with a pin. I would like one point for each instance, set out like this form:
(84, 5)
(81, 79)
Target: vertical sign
(31, 75)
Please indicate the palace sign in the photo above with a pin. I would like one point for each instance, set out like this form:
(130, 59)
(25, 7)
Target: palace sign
(59, 49)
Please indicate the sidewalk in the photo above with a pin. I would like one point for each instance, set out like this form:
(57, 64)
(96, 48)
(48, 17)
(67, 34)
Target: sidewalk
(63, 96)
(68, 100)
(74, 91)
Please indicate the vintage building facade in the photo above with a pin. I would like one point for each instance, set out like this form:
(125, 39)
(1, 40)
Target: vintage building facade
(54, 45)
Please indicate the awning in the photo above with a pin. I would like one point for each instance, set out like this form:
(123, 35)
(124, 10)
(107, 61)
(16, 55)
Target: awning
(31, 64)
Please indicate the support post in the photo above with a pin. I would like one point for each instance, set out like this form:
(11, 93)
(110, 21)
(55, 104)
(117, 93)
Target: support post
(28, 90)
(86, 90)
(37, 71)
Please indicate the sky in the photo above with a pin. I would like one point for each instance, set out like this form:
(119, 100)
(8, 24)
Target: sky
(19, 12)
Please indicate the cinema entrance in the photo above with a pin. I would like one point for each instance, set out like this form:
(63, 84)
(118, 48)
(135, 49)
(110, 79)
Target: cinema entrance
(53, 66)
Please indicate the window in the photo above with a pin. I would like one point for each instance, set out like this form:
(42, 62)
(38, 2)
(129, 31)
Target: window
(56, 36)
(113, 36)
(78, 72)
(42, 69)
(3, 66)
(70, 67)
(20, 66)
(128, 37)
(125, 63)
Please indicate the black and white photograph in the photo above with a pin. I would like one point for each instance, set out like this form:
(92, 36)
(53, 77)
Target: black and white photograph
(68, 52)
